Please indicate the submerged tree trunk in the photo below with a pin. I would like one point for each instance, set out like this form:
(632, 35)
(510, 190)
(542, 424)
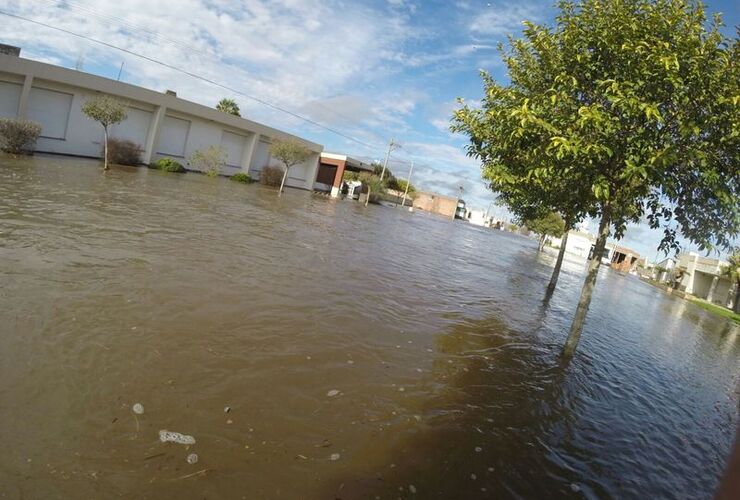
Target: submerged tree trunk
(105, 149)
(542, 242)
(588, 285)
(282, 182)
(558, 264)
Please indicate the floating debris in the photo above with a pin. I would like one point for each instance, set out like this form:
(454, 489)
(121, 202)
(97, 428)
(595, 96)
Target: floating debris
(334, 457)
(478, 449)
(138, 409)
(227, 409)
(229, 422)
(401, 389)
(175, 437)
(412, 489)
(473, 477)
(192, 459)
(575, 488)
(350, 362)
(332, 393)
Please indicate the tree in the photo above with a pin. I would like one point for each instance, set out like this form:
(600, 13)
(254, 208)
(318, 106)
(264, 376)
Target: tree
(228, 106)
(550, 224)
(107, 111)
(732, 271)
(210, 160)
(630, 108)
(290, 152)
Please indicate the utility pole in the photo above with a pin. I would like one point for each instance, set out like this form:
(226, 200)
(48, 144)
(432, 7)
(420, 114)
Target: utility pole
(391, 146)
(408, 182)
(120, 71)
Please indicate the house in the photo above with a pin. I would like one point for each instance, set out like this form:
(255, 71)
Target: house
(702, 277)
(620, 258)
(664, 269)
(436, 203)
(579, 243)
(331, 171)
(478, 218)
(162, 124)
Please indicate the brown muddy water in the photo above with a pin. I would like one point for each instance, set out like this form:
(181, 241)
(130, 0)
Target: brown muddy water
(189, 295)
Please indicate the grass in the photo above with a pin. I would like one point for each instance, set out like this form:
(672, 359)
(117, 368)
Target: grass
(715, 309)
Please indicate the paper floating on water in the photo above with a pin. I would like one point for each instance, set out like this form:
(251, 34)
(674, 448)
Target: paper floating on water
(175, 437)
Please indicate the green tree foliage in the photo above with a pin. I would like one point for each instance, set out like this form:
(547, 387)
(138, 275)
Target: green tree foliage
(732, 271)
(211, 160)
(228, 106)
(550, 224)
(624, 110)
(107, 111)
(290, 153)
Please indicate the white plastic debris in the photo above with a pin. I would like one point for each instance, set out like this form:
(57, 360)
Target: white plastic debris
(227, 409)
(334, 457)
(412, 489)
(332, 393)
(192, 459)
(175, 437)
(138, 409)
(575, 488)
(478, 449)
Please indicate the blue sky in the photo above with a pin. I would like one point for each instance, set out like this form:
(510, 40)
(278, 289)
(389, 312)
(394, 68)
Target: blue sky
(371, 70)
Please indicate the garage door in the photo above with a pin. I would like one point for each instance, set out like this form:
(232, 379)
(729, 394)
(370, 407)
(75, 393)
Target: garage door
(234, 146)
(51, 109)
(10, 96)
(173, 137)
(135, 127)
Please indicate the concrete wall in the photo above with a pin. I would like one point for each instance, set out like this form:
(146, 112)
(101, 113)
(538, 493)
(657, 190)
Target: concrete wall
(163, 125)
(435, 203)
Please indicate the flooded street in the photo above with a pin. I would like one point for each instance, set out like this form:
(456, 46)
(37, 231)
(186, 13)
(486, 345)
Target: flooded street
(317, 349)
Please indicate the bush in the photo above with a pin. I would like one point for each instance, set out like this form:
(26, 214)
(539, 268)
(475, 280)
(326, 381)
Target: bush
(18, 136)
(123, 152)
(168, 165)
(209, 161)
(241, 177)
(271, 176)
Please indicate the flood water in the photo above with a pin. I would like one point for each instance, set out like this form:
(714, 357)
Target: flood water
(189, 295)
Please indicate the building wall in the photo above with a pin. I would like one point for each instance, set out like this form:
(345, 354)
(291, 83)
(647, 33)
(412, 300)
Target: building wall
(163, 125)
(435, 203)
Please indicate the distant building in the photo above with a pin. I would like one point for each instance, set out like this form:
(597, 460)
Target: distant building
(664, 269)
(331, 171)
(479, 218)
(620, 258)
(461, 210)
(702, 277)
(579, 243)
(436, 203)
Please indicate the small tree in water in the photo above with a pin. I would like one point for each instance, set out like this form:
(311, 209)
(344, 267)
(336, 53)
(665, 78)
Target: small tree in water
(629, 107)
(290, 153)
(228, 106)
(210, 160)
(107, 111)
(550, 224)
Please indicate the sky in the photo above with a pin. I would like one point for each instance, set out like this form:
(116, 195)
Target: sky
(365, 71)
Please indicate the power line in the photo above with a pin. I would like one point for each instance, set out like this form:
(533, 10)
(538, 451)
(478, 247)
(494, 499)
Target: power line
(193, 75)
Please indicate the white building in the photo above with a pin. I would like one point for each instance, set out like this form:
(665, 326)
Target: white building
(162, 124)
(479, 218)
(579, 243)
(703, 277)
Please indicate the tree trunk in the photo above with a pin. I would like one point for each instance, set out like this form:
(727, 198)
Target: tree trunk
(588, 286)
(367, 198)
(736, 303)
(558, 264)
(105, 149)
(282, 182)
(541, 244)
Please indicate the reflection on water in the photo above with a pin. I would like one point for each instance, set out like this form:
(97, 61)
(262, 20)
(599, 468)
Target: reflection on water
(189, 295)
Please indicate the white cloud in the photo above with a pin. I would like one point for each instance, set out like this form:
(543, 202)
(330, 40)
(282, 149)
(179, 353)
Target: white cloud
(503, 19)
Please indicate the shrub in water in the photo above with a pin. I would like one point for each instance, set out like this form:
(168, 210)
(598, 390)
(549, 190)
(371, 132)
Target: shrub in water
(18, 136)
(241, 177)
(168, 165)
(123, 152)
(209, 161)
(271, 176)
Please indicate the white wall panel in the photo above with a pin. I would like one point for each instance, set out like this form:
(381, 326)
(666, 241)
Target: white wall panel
(173, 137)
(10, 96)
(51, 109)
(261, 156)
(135, 127)
(234, 146)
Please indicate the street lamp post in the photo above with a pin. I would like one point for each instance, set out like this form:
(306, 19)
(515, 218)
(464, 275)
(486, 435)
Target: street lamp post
(408, 182)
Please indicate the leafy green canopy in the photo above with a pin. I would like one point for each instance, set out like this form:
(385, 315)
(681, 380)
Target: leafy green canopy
(548, 225)
(290, 152)
(625, 110)
(105, 109)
